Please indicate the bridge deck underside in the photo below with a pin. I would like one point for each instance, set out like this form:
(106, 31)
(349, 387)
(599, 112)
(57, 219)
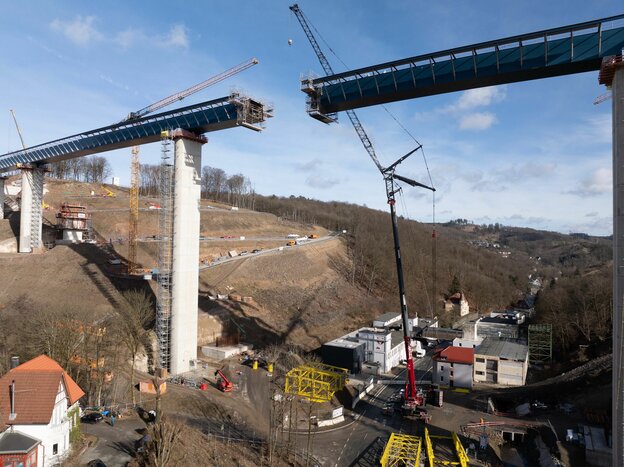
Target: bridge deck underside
(521, 58)
(208, 116)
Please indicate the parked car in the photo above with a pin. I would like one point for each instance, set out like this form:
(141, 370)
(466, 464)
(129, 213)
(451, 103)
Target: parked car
(93, 417)
(388, 409)
(257, 250)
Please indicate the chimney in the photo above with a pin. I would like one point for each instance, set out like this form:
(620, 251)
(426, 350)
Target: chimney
(12, 415)
(15, 361)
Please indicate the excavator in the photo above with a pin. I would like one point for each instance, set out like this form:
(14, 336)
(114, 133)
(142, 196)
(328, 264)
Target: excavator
(223, 384)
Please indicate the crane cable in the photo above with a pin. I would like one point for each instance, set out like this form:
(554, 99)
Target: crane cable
(433, 204)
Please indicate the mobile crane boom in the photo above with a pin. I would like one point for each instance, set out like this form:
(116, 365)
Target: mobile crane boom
(178, 96)
(412, 398)
(223, 384)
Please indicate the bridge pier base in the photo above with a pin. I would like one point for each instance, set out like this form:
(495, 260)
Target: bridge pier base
(618, 266)
(31, 209)
(185, 251)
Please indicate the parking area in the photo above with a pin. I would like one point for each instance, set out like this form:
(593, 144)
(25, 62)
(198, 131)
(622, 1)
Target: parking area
(115, 445)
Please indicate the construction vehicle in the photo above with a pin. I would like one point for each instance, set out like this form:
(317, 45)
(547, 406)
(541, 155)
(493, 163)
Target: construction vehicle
(412, 399)
(313, 236)
(223, 384)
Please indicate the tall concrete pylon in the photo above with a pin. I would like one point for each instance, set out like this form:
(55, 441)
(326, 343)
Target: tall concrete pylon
(2, 179)
(31, 209)
(618, 265)
(185, 250)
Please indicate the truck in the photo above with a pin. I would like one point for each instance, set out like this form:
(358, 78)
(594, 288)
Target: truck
(418, 350)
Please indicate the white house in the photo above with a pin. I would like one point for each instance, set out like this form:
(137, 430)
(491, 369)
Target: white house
(40, 400)
(382, 346)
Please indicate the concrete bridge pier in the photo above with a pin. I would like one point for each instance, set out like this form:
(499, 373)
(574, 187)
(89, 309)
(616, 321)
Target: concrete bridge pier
(31, 209)
(618, 264)
(2, 179)
(185, 250)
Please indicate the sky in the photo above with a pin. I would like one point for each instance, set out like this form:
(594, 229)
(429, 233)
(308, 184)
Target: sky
(535, 154)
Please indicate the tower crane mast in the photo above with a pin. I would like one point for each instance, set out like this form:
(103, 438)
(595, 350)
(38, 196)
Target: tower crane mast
(412, 398)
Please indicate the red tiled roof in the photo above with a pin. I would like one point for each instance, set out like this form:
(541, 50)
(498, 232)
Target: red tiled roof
(456, 355)
(45, 363)
(36, 386)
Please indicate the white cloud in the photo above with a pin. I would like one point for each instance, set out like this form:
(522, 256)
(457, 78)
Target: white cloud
(81, 31)
(177, 37)
(129, 37)
(598, 183)
(477, 121)
(480, 97)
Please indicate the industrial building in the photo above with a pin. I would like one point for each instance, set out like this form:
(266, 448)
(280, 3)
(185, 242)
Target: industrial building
(452, 367)
(502, 327)
(380, 347)
(501, 362)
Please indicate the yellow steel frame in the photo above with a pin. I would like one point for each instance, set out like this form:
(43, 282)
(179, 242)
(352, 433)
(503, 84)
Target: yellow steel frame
(316, 382)
(459, 450)
(401, 450)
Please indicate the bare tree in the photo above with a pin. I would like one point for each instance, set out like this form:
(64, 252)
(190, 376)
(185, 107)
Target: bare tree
(136, 314)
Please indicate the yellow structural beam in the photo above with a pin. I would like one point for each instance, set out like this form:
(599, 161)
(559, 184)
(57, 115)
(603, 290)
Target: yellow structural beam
(429, 447)
(316, 382)
(459, 450)
(402, 450)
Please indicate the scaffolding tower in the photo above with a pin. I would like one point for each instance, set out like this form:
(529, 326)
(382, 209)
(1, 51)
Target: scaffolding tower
(540, 343)
(134, 211)
(36, 177)
(165, 233)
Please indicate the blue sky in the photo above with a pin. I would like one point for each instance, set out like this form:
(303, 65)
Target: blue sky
(535, 154)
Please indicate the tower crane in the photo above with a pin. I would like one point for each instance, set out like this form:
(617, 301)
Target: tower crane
(412, 398)
(135, 162)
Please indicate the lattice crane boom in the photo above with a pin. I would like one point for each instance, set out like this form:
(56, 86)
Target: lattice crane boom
(355, 121)
(178, 96)
(412, 398)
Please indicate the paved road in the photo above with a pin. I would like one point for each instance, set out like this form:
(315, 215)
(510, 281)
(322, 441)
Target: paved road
(362, 442)
(268, 251)
(115, 444)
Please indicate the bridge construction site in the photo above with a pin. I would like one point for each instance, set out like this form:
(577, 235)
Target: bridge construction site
(595, 46)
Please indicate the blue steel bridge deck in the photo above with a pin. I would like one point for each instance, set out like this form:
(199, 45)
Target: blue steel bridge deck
(199, 118)
(553, 52)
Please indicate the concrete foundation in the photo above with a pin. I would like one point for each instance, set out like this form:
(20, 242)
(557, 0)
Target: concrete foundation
(221, 353)
(185, 255)
(2, 179)
(618, 266)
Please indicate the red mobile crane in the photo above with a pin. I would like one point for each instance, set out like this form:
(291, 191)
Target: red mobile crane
(412, 399)
(223, 384)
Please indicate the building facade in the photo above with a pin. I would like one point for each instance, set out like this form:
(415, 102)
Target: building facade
(452, 367)
(457, 304)
(501, 362)
(49, 413)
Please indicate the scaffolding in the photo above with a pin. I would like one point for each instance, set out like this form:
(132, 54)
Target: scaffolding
(316, 382)
(35, 177)
(462, 457)
(133, 230)
(165, 231)
(402, 450)
(540, 343)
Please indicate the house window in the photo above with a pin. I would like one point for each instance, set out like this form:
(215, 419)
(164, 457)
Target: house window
(480, 360)
(55, 449)
(480, 373)
(441, 378)
(441, 367)
(451, 374)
